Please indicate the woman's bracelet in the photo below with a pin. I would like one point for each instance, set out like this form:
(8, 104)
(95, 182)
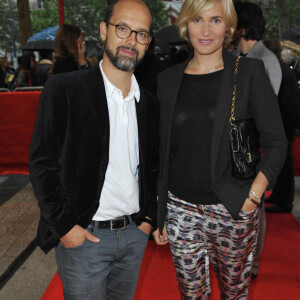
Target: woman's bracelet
(254, 195)
(253, 201)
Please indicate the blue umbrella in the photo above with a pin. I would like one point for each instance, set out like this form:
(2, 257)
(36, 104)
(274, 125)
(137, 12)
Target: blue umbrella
(45, 34)
(43, 40)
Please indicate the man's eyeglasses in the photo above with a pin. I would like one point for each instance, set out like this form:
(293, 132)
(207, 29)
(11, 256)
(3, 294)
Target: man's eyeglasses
(123, 32)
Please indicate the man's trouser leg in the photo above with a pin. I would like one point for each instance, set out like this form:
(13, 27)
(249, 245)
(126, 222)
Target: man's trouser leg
(107, 270)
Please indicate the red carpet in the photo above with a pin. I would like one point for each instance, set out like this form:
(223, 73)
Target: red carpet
(277, 280)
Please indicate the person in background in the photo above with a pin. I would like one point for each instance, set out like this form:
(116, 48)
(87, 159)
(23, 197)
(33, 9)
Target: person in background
(93, 163)
(283, 193)
(5, 72)
(147, 71)
(43, 66)
(3, 82)
(92, 60)
(248, 38)
(69, 53)
(26, 76)
(207, 215)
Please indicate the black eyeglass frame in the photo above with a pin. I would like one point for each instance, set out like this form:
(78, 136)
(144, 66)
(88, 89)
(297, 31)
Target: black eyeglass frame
(131, 31)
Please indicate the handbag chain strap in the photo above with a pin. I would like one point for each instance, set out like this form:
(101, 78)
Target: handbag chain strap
(232, 118)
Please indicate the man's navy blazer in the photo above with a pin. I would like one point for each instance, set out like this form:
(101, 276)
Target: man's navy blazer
(69, 153)
(254, 99)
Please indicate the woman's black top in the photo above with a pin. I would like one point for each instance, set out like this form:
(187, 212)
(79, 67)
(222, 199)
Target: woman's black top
(193, 120)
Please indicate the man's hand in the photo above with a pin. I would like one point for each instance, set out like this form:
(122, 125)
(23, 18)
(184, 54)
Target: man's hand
(161, 238)
(145, 227)
(76, 237)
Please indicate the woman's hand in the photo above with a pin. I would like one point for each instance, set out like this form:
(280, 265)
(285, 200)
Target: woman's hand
(161, 238)
(145, 227)
(81, 53)
(248, 206)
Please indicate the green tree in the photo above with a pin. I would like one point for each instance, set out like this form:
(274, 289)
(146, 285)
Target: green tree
(6, 23)
(46, 17)
(272, 16)
(88, 14)
(161, 15)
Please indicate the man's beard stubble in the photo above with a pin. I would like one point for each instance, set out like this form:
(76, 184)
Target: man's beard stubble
(121, 62)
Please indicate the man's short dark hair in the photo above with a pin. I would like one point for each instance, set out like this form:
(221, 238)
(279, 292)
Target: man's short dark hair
(110, 9)
(251, 19)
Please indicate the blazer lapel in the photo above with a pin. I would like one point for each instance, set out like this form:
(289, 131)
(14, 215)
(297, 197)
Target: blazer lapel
(223, 107)
(141, 116)
(171, 94)
(96, 89)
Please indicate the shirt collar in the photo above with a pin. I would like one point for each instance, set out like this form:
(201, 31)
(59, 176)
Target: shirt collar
(110, 88)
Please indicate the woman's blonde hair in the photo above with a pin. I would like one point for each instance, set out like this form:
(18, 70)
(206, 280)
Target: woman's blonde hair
(192, 9)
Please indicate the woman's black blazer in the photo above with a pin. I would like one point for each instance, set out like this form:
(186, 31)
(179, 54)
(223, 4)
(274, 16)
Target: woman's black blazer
(254, 99)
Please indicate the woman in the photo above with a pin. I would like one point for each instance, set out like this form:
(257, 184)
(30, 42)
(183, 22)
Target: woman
(209, 215)
(26, 76)
(69, 50)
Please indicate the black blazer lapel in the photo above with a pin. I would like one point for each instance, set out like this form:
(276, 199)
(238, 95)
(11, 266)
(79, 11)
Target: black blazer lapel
(170, 94)
(96, 90)
(141, 116)
(223, 107)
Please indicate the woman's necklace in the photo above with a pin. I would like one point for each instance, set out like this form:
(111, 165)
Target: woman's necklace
(213, 69)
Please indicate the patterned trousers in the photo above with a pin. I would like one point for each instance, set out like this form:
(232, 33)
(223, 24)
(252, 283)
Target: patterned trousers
(203, 234)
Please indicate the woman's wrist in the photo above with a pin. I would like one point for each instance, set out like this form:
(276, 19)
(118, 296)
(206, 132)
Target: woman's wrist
(256, 202)
(254, 197)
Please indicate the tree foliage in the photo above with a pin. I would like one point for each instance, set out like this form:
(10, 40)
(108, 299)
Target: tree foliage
(271, 16)
(46, 17)
(161, 15)
(88, 14)
(5, 26)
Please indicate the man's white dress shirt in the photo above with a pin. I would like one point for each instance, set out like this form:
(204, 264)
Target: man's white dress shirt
(120, 192)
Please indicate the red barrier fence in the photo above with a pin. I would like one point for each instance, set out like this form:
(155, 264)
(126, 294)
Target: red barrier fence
(17, 116)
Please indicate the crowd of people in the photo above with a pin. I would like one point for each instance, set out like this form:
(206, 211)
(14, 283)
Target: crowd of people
(126, 145)
(69, 55)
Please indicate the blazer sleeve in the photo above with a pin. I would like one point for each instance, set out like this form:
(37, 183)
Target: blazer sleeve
(44, 158)
(265, 109)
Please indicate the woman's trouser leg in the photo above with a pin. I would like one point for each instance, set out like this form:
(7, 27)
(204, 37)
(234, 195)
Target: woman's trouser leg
(231, 245)
(199, 233)
(184, 227)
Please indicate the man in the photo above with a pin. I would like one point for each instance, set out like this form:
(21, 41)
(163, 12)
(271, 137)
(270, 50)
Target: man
(92, 163)
(248, 38)
(283, 192)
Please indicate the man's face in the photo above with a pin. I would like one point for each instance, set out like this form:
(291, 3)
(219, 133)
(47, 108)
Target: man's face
(125, 54)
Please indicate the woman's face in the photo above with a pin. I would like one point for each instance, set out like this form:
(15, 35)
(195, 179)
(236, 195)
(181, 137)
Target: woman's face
(207, 32)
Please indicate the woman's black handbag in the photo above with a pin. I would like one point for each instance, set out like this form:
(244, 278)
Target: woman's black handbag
(244, 141)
